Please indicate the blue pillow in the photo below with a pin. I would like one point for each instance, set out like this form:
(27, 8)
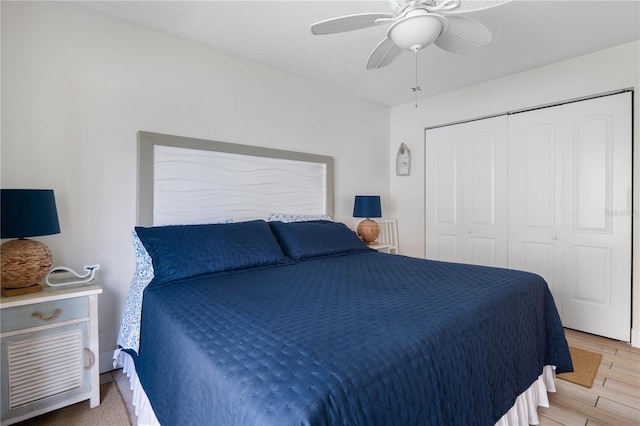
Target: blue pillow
(183, 251)
(301, 240)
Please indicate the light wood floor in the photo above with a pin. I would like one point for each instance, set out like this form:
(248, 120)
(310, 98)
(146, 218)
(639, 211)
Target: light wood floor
(614, 398)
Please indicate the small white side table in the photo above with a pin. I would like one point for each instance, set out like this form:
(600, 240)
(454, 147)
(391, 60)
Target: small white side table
(382, 248)
(49, 351)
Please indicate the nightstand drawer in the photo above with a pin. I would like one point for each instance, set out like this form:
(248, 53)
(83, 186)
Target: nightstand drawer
(21, 317)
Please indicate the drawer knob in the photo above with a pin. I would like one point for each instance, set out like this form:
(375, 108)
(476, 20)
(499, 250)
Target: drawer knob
(45, 318)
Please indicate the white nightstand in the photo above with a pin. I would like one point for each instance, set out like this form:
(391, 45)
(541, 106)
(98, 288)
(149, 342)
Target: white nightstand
(49, 351)
(382, 248)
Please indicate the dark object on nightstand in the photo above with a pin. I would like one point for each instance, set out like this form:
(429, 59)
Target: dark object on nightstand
(25, 213)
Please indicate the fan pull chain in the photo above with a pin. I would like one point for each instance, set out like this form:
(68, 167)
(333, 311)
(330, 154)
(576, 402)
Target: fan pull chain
(416, 88)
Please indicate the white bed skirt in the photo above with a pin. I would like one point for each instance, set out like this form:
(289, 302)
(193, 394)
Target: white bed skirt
(523, 412)
(146, 416)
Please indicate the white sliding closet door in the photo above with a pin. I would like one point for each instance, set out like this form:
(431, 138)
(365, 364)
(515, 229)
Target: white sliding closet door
(570, 208)
(535, 204)
(466, 181)
(565, 194)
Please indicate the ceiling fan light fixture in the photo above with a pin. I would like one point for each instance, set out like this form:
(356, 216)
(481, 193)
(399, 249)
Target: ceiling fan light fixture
(415, 32)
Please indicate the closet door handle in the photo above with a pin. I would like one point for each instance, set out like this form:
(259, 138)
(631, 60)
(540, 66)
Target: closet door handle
(554, 237)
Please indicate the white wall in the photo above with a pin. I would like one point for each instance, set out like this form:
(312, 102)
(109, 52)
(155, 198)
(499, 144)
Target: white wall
(600, 72)
(77, 86)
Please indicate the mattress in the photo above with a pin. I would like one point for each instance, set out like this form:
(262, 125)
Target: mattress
(356, 338)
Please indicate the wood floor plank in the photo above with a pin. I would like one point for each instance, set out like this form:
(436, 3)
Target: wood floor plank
(631, 414)
(610, 343)
(630, 400)
(622, 388)
(629, 363)
(598, 343)
(606, 363)
(621, 377)
(629, 353)
(546, 421)
(598, 414)
(616, 388)
(592, 346)
(626, 369)
(560, 414)
(580, 393)
(599, 380)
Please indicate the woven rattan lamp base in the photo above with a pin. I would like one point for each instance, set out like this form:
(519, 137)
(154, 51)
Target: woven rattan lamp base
(368, 230)
(23, 263)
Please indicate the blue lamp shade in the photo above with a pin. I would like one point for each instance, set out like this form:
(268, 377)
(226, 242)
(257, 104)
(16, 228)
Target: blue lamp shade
(24, 262)
(367, 206)
(28, 213)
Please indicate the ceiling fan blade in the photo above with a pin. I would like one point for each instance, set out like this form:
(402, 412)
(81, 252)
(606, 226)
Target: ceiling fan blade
(349, 23)
(384, 53)
(463, 35)
(472, 5)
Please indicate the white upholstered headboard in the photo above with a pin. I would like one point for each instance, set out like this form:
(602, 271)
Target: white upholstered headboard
(184, 180)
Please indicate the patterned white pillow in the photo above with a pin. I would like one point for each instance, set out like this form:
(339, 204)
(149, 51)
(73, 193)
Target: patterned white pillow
(129, 335)
(287, 218)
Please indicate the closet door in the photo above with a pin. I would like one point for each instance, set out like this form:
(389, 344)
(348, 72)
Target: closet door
(597, 245)
(535, 204)
(466, 192)
(570, 208)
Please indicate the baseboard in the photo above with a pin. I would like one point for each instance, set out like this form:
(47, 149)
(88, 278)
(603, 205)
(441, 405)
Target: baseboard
(635, 338)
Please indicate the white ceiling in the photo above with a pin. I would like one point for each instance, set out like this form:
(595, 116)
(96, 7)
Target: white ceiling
(526, 34)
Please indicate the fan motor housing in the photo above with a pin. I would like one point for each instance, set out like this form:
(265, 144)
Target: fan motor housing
(416, 31)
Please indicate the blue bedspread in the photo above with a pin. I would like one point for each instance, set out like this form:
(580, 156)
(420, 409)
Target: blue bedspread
(358, 339)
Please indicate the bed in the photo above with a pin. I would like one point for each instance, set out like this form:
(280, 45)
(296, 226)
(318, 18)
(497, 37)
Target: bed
(291, 319)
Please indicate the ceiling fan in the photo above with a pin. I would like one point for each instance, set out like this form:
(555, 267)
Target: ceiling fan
(415, 24)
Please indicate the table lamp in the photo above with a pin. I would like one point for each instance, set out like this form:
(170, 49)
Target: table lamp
(367, 206)
(25, 213)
